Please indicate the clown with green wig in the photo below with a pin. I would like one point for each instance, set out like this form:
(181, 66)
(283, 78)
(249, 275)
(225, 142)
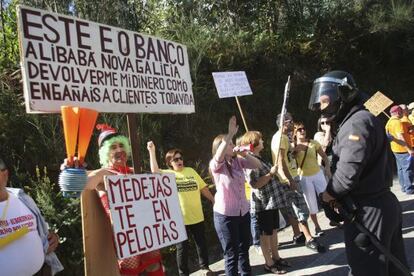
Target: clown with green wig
(114, 152)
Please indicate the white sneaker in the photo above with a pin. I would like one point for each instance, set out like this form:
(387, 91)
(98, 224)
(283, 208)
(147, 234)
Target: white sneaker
(258, 250)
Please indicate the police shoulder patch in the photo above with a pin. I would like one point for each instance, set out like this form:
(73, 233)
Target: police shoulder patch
(353, 137)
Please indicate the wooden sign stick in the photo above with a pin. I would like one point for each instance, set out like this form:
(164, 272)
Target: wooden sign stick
(241, 113)
(386, 114)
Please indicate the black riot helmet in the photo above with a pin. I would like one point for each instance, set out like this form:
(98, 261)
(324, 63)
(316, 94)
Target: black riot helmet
(332, 91)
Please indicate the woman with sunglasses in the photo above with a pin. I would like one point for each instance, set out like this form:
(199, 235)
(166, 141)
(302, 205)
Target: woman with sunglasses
(324, 137)
(231, 208)
(189, 185)
(312, 179)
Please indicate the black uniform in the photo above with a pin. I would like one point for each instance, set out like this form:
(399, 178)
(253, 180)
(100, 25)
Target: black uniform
(361, 171)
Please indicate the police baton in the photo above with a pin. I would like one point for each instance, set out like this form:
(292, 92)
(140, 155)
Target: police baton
(351, 218)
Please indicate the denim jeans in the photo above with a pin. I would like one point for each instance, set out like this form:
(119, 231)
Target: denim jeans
(197, 231)
(254, 228)
(235, 238)
(405, 171)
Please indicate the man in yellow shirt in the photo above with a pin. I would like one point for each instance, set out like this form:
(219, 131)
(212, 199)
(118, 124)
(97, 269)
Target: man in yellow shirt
(298, 212)
(402, 149)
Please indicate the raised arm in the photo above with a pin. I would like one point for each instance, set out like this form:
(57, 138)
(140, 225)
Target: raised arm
(153, 157)
(232, 130)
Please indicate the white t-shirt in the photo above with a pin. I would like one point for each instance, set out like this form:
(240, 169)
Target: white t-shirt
(25, 256)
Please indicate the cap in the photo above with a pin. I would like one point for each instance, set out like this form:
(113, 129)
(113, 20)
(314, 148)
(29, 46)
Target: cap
(403, 106)
(107, 132)
(395, 109)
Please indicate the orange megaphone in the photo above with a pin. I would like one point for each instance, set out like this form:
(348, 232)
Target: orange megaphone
(87, 122)
(70, 118)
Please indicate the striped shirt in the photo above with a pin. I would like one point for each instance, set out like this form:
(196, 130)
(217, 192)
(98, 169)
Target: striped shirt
(230, 198)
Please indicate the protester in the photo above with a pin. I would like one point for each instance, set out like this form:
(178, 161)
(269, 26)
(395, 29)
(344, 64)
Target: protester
(26, 244)
(231, 209)
(361, 174)
(324, 137)
(189, 185)
(400, 146)
(297, 210)
(267, 199)
(254, 226)
(408, 127)
(114, 152)
(411, 111)
(312, 179)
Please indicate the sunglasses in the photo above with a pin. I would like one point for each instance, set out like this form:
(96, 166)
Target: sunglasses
(301, 129)
(325, 123)
(178, 159)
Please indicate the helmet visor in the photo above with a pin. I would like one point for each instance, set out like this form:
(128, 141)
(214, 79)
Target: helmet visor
(324, 89)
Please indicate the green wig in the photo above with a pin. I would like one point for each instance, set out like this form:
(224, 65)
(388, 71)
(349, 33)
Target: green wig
(105, 148)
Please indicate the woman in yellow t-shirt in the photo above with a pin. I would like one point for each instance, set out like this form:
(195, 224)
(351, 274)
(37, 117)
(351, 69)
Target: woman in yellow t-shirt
(189, 185)
(312, 179)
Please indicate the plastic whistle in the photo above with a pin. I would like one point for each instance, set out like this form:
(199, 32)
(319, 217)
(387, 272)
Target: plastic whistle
(14, 236)
(244, 148)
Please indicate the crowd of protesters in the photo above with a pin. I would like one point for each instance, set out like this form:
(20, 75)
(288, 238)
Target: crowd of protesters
(254, 194)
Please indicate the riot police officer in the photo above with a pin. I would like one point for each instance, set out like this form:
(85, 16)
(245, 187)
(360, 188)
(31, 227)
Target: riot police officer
(361, 172)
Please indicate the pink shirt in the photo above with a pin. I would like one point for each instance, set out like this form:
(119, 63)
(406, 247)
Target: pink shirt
(230, 198)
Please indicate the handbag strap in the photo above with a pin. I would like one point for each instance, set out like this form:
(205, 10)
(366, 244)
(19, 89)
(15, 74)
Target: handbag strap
(304, 157)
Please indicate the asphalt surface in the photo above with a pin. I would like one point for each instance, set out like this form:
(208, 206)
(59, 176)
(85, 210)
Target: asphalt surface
(306, 262)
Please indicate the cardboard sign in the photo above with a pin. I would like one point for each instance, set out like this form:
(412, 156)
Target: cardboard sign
(145, 212)
(74, 62)
(232, 84)
(378, 103)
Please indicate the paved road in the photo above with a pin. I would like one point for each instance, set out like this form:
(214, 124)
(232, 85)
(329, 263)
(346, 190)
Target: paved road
(333, 262)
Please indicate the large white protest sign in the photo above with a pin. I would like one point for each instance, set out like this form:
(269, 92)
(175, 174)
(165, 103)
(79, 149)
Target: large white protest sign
(145, 212)
(74, 62)
(231, 84)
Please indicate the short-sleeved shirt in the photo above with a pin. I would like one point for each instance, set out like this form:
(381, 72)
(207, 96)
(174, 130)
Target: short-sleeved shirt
(267, 197)
(310, 165)
(408, 130)
(230, 198)
(189, 183)
(411, 117)
(24, 256)
(288, 156)
(394, 127)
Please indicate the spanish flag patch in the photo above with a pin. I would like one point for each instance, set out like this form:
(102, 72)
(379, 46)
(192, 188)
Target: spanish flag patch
(353, 137)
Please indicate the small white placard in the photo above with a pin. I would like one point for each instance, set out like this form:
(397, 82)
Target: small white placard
(232, 84)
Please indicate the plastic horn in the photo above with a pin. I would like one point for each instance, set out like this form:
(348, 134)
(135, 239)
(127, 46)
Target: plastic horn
(70, 118)
(86, 125)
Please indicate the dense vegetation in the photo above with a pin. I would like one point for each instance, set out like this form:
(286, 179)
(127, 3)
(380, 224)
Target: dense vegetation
(372, 39)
